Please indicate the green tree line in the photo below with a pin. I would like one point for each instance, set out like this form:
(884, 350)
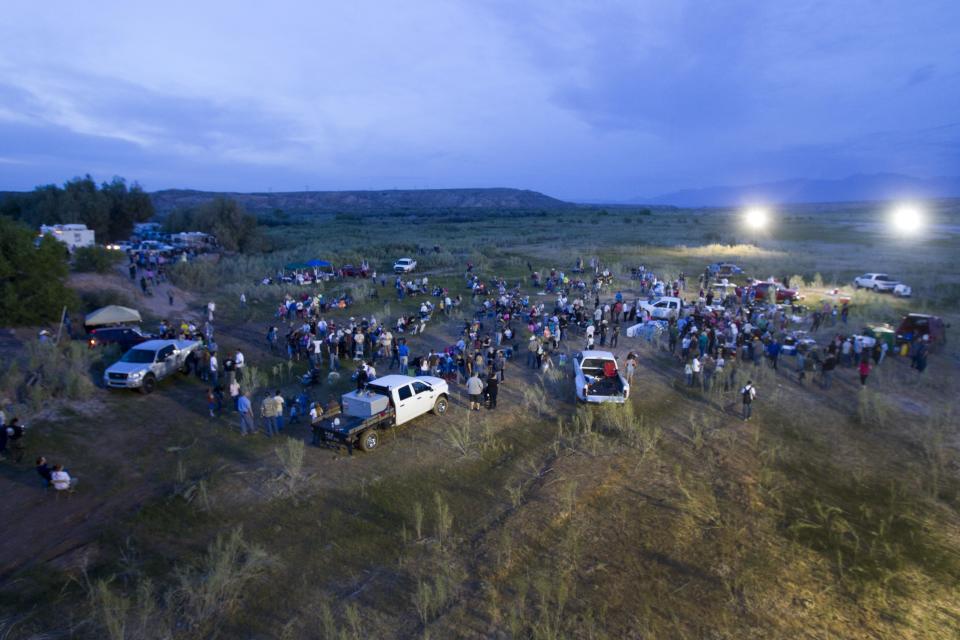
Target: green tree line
(110, 209)
(234, 227)
(32, 278)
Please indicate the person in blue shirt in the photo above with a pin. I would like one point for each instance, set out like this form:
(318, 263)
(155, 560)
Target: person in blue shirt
(246, 414)
(403, 351)
(773, 352)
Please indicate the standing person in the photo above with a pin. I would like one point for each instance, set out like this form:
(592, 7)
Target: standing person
(170, 296)
(243, 300)
(493, 386)
(474, 391)
(238, 363)
(631, 366)
(747, 394)
(499, 364)
(280, 405)
(268, 411)
(16, 432)
(403, 355)
(235, 394)
(245, 407)
(211, 402)
(532, 351)
(214, 369)
(801, 365)
(864, 368)
(826, 370)
(211, 307)
(615, 336)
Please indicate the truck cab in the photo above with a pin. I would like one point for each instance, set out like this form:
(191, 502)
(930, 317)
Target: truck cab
(663, 308)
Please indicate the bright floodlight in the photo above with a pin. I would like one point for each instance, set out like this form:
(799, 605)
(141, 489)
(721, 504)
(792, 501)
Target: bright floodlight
(906, 219)
(756, 218)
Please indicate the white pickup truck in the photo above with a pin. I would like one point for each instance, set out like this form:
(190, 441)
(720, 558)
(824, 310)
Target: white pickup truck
(146, 363)
(875, 281)
(663, 308)
(598, 378)
(384, 403)
(404, 265)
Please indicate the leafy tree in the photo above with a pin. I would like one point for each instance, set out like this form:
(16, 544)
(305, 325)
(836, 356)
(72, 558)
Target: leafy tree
(32, 277)
(234, 228)
(110, 210)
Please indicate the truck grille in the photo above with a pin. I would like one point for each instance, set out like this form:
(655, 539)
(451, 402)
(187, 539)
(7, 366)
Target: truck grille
(117, 376)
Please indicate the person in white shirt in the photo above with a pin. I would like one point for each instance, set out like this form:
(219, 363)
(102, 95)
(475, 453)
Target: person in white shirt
(61, 480)
(238, 362)
(214, 369)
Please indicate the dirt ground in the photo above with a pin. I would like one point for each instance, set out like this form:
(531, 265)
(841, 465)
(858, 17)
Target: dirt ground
(551, 507)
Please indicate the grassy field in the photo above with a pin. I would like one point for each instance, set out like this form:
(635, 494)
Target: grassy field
(832, 514)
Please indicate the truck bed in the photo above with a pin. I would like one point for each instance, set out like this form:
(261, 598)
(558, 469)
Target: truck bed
(351, 427)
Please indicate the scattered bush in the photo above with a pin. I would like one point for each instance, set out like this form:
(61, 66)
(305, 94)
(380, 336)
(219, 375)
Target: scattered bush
(95, 259)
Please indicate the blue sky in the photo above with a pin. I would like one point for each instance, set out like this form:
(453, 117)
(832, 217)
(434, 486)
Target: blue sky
(578, 99)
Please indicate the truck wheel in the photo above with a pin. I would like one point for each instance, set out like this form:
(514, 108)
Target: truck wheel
(149, 383)
(369, 440)
(876, 288)
(440, 406)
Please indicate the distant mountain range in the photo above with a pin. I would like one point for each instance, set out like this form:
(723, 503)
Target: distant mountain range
(300, 202)
(856, 188)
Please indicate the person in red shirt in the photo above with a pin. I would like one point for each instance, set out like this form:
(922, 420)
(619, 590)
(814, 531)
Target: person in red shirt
(864, 369)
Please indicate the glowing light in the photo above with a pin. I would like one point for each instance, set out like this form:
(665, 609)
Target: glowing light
(756, 218)
(907, 219)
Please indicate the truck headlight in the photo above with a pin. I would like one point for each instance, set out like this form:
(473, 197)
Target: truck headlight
(135, 375)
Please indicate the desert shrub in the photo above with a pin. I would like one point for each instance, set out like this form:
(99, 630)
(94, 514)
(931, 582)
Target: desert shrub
(201, 596)
(290, 454)
(51, 372)
(95, 259)
(215, 588)
(198, 274)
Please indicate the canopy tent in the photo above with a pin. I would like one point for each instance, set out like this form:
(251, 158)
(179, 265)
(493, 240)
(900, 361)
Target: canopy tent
(319, 263)
(112, 314)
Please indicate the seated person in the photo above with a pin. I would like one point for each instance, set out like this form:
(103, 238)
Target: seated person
(61, 480)
(44, 471)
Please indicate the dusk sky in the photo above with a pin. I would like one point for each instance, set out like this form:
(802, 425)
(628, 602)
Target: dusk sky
(576, 99)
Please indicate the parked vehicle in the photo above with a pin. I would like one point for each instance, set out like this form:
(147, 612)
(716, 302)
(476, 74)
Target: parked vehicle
(152, 245)
(902, 291)
(916, 325)
(147, 363)
(350, 271)
(764, 290)
(404, 265)
(724, 269)
(876, 281)
(384, 403)
(125, 337)
(598, 379)
(663, 308)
